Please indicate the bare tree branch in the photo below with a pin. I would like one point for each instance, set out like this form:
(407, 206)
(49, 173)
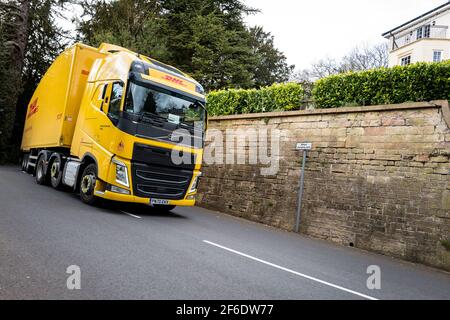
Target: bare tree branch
(359, 58)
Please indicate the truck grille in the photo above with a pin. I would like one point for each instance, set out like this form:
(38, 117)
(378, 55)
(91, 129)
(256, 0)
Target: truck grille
(155, 175)
(160, 157)
(154, 181)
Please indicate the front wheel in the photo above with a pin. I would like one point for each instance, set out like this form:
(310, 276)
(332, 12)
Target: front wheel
(87, 184)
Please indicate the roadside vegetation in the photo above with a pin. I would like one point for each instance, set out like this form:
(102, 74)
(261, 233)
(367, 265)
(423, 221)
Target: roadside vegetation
(416, 82)
(413, 83)
(277, 97)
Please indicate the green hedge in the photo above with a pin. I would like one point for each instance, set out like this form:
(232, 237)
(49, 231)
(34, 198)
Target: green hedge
(277, 97)
(416, 82)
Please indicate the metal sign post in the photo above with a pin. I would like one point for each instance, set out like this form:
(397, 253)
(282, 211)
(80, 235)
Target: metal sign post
(305, 147)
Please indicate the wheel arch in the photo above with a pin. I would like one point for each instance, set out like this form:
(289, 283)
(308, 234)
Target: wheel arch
(55, 155)
(87, 159)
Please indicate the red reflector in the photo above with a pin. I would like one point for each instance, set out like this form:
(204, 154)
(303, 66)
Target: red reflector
(85, 72)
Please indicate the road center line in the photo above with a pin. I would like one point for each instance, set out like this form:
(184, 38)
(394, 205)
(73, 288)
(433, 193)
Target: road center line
(131, 215)
(290, 271)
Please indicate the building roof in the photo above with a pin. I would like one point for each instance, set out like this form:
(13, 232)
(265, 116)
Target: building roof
(442, 6)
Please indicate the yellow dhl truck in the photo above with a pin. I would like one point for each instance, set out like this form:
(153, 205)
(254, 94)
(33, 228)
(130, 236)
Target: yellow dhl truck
(110, 123)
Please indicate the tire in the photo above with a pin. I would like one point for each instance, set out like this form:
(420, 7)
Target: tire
(41, 177)
(24, 163)
(162, 207)
(26, 168)
(87, 184)
(29, 169)
(56, 173)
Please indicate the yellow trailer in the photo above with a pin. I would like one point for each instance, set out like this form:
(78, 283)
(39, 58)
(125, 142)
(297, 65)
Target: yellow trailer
(53, 109)
(111, 123)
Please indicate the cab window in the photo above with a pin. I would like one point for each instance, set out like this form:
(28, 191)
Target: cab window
(99, 96)
(115, 101)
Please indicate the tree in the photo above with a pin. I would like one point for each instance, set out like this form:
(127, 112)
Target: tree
(14, 17)
(45, 42)
(358, 59)
(366, 58)
(37, 41)
(206, 38)
(128, 23)
(271, 65)
(218, 57)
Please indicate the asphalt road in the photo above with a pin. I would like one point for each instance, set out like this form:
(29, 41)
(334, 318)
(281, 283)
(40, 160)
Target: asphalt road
(127, 252)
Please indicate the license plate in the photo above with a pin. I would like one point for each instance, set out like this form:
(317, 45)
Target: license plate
(159, 201)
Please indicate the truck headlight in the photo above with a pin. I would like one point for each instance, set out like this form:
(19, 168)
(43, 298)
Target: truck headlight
(121, 173)
(194, 184)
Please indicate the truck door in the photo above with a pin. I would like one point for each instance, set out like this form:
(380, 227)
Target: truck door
(111, 113)
(92, 114)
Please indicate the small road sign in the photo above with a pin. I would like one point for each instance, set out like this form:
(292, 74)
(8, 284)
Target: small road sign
(304, 146)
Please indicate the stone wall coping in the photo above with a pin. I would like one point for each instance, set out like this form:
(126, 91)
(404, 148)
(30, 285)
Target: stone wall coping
(443, 104)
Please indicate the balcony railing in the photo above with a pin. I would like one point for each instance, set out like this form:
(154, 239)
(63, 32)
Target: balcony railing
(425, 32)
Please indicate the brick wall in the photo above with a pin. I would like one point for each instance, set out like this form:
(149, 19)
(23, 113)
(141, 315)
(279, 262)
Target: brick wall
(377, 178)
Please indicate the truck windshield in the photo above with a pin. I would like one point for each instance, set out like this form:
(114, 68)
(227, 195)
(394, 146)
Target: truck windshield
(173, 107)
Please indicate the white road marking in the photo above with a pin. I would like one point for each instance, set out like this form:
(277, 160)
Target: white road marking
(290, 271)
(131, 215)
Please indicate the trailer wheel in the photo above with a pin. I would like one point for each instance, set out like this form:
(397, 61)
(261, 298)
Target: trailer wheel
(56, 173)
(87, 184)
(24, 162)
(41, 177)
(28, 169)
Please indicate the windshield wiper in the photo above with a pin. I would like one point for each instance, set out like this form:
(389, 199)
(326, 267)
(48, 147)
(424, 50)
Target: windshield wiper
(155, 119)
(145, 114)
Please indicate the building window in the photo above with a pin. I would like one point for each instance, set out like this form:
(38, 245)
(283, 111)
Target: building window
(405, 61)
(427, 31)
(420, 33)
(437, 56)
(423, 32)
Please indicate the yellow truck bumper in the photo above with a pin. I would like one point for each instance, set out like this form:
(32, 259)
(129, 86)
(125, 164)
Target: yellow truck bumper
(133, 199)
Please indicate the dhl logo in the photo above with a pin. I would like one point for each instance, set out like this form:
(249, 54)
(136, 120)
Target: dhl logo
(175, 80)
(33, 108)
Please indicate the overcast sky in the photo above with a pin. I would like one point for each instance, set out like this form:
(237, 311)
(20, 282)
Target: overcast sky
(308, 30)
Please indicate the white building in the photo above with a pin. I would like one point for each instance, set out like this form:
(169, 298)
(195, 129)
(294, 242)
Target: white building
(425, 38)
